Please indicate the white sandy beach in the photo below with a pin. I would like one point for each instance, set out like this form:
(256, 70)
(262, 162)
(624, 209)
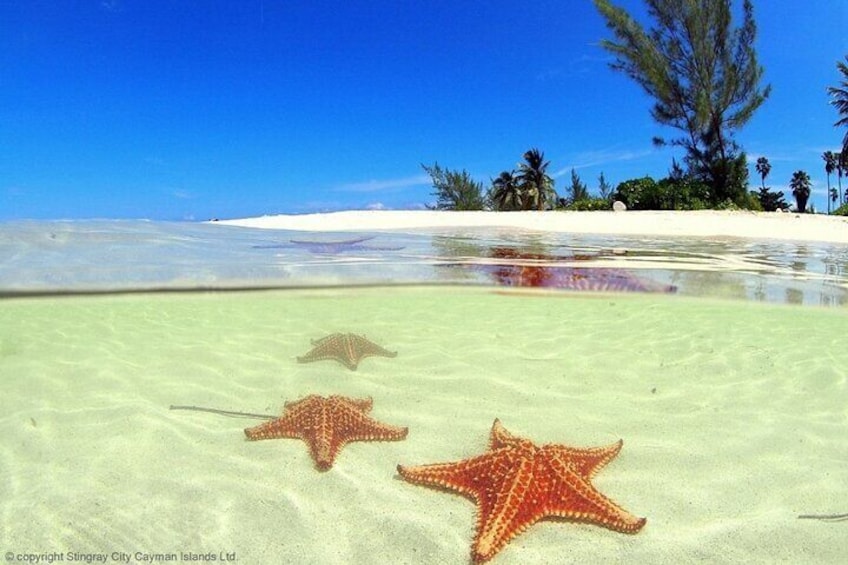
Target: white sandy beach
(704, 223)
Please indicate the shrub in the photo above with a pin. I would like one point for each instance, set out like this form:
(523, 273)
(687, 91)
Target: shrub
(590, 204)
(637, 194)
(671, 193)
(769, 200)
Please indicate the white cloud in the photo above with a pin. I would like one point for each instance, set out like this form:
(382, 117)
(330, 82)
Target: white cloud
(384, 185)
(601, 157)
(376, 206)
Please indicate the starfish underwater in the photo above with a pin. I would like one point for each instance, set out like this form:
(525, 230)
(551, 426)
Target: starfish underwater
(517, 483)
(327, 424)
(346, 348)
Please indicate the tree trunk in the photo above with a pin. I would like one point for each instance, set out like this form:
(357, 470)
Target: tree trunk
(801, 200)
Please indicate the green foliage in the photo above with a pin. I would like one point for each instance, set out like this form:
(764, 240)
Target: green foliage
(734, 171)
(455, 190)
(670, 193)
(770, 201)
(505, 193)
(839, 98)
(764, 168)
(703, 76)
(800, 185)
(589, 204)
(537, 186)
(638, 194)
(604, 188)
(748, 201)
(830, 161)
(842, 210)
(578, 189)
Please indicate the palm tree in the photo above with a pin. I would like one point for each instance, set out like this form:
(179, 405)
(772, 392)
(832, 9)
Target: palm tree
(800, 185)
(829, 166)
(506, 192)
(841, 167)
(537, 185)
(764, 168)
(839, 98)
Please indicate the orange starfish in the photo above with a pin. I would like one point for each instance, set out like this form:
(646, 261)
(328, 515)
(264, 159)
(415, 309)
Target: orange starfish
(517, 483)
(327, 425)
(347, 349)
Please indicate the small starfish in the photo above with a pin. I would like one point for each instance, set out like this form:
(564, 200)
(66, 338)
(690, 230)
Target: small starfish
(327, 425)
(348, 349)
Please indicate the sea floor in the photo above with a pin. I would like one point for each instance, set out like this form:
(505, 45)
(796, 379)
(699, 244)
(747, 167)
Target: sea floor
(733, 416)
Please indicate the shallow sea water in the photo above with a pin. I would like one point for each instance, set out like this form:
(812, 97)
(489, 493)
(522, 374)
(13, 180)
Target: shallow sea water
(732, 411)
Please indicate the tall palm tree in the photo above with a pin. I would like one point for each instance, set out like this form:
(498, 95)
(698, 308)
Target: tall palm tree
(841, 167)
(800, 185)
(506, 192)
(537, 185)
(839, 98)
(829, 166)
(764, 168)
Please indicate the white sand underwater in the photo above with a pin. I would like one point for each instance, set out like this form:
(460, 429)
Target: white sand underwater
(733, 416)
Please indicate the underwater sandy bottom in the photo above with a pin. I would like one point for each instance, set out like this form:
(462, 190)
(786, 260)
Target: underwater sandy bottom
(733, 417)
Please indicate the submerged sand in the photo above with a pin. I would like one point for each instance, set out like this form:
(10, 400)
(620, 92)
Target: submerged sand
(703, 223)
(732, 415)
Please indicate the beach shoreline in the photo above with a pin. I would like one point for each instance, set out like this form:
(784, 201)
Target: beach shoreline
(700, 223)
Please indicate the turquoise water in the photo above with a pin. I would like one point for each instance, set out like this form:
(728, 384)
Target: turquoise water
(728, 390)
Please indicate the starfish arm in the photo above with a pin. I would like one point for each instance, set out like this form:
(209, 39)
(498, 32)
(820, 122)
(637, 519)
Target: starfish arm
(499, 436)
(463, 477)
(354, 404)
(283, 427)
(504, 509)
(573, 497)
(368, 429)
(366, 348)
(587, 461)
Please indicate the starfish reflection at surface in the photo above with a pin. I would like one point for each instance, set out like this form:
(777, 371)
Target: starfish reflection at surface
(329, 247)
(517, 483)
(516, 268)
(327, 424)
(346, 348)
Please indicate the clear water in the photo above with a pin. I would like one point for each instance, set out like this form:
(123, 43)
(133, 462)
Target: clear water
(730, 402)
(108, 255)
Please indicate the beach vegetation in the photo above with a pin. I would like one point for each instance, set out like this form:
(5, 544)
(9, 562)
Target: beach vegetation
(678, 191)
(764, 168)
(769, 200)
(537, 186)
(604, 188)
(578, 189)
(839, 99)
(829, 167)
(842, 210)
(703, 75)
(800, 185)
(455, 190)
(505, 193)
(588, 204)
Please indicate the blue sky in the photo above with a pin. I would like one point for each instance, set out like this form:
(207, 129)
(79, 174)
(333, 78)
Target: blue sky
(179, 110)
